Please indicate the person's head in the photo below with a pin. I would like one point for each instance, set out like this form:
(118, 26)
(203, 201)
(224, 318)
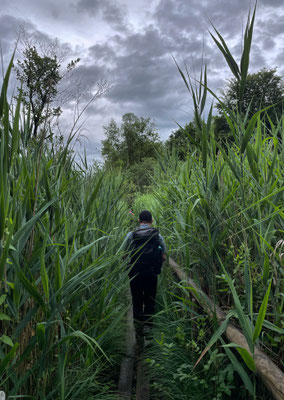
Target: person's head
(145, 217)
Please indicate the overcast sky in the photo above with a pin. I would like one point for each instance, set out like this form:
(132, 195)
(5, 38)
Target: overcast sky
(130, 44)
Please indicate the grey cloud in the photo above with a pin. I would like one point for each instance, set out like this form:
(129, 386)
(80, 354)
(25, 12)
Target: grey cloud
(272, 26)
(110, 11)
(278, 62)
(102, 53)
(175, 16)
(149, 44)
(257, 60)
(138, 62)
(9, 31)
(144, 77)
(147, 85)
(115, 16)
(88, 141)
(91, 6)
(271, 3)
(268, 43)
(91, 73)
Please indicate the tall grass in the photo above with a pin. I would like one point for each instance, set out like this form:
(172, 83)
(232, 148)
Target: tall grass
(61, 279)
(222, 211)
(180, 333)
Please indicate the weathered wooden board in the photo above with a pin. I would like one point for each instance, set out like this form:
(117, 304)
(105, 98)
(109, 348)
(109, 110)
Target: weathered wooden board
(269, 372)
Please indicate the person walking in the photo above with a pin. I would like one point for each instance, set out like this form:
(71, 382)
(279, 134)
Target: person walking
(147, 252)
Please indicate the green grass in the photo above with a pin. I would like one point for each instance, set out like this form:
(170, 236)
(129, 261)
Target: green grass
(62, 278)
(221, 212)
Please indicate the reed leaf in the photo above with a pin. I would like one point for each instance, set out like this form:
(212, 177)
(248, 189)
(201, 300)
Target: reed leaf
(4, 363)
(250, 128)
(43, 272)
(239, 368)
(246, 52)
(3, 96)
(261, 314)
(216, 336)
(221, 44)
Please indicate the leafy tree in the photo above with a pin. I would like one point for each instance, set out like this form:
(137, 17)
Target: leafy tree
(141, 173)
(39, 76)
(133, 146)
(130, 143)
(221, 130)
(183, 140)
(262, 89)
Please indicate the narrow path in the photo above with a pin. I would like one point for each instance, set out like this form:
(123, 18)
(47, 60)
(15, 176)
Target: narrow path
(127, 366)
(142, 382)
(133, 371)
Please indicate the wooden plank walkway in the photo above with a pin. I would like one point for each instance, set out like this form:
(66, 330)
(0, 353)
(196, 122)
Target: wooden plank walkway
(133, 371)
(127, 366)
(142, 382)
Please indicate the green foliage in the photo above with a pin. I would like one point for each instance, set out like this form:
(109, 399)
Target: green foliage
(63, 282)
(133, 147)
(132, 142)
(141, 173)
(223, 208)
(179, 336)
(60, 270)
(240, 72)
(39, 77)
(183, 140)
(262, 89)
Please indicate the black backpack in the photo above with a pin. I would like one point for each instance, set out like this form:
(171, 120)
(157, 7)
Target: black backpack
(146, 251)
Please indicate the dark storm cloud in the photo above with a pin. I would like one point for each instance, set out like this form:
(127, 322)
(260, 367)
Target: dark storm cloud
(110, 11)
(90, 6)
(143, 76)
(136, 59)
(268, 43)
(176, 16)
(178, 19)
(114, 15)
(102, 53)
(272, 26)
(271, 3)
(144, 72)
(91, 73)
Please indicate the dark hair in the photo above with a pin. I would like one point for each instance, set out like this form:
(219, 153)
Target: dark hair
(145, 216)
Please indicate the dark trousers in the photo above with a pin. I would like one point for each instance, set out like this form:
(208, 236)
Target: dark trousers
(143, 289)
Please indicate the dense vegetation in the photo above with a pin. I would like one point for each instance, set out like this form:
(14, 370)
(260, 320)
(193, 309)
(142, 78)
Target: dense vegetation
(221, 209)
(60, 276)
(64, 284)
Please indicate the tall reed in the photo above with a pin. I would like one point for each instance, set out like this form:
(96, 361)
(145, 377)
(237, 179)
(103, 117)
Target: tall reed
(60, 275)
(222, 211)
